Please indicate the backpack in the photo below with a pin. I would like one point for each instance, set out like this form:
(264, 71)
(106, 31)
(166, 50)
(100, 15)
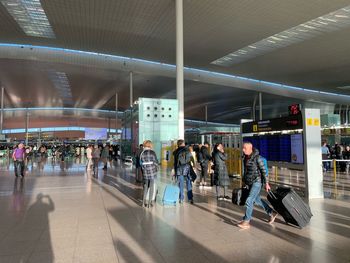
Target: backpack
(265, 164)
(182, 158)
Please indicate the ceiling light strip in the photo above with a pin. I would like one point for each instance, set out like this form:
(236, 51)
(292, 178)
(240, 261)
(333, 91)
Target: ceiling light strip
(189, 71)
(331, 22)
(30, 16)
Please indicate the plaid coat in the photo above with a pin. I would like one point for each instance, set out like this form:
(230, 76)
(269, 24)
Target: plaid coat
(149, 163)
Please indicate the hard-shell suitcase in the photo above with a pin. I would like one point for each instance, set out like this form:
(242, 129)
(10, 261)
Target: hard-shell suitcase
(240, 195)
(171, 195)
(290, 206)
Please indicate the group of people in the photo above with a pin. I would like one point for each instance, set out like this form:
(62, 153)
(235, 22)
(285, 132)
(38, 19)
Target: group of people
(95, 154)
(255, 175)
(337, 152)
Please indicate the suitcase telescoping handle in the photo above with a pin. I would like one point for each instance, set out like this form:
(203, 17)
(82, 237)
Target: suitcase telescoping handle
(270, 193)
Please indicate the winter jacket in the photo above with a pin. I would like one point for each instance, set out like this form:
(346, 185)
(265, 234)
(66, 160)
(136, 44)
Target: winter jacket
(205, 155)
(254, 169)
(149, 161)
(182, 169)
(220, 170)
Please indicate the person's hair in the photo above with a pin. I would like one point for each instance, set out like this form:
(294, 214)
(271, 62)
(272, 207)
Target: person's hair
(248, 143)
(180, 142)
(206, 143)
(147, 144)
(215, 149)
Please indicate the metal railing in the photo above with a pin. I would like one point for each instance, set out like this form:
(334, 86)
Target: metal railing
(334, 167)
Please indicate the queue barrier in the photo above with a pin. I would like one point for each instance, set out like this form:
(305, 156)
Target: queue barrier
(333, 165)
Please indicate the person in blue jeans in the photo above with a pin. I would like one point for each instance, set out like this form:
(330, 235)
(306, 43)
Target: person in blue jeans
(182, 166)
(254, 176)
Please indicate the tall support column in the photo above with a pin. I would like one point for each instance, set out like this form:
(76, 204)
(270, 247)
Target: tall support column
(131, 88)
(27, 125)
(206, 115)
(2, 110)
(180, 67)
(260, 106)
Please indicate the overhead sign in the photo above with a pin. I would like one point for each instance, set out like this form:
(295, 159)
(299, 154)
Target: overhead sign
(95, 133)
(293, 122)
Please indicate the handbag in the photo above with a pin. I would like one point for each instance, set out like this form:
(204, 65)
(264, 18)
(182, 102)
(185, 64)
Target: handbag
(193, 174)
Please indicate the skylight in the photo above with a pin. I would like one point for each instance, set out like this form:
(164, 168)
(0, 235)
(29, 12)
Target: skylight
(30, 16)
(333, 21)
(61, 83)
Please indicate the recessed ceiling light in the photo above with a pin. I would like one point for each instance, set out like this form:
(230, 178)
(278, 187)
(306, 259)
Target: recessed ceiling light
(30, 16)
(333, 21)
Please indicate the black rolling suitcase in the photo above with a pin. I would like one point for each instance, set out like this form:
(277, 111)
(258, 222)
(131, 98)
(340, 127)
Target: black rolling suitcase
(290, 206)
(240, 195)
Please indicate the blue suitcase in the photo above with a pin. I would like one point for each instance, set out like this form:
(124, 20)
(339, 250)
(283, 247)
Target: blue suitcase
(171, 195)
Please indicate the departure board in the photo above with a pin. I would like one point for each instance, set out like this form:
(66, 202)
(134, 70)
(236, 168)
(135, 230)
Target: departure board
(279, 147)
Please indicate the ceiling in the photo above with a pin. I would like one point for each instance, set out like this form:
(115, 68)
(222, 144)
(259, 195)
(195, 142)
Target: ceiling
(146, 29)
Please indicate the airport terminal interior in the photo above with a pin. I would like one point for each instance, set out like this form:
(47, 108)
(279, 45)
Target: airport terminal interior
(174, 131)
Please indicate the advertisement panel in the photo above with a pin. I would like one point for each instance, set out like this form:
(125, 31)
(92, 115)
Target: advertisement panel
(96, 134)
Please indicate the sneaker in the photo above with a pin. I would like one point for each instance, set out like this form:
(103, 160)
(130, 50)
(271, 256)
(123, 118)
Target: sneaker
(227, 197)
(272, 217)
(244, 225)
(220, 197)
(191, 201)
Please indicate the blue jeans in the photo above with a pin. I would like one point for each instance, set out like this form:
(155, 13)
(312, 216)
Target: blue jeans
(181, 180)
(254, 197)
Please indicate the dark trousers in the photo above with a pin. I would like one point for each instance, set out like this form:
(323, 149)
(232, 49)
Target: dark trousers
(204, 171)
(95, 164)
(148, 191)
(19, 167)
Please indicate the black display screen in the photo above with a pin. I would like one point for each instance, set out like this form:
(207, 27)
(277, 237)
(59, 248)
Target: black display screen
(276, 147)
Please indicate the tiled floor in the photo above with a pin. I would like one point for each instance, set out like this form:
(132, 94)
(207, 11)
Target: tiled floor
(61, 214)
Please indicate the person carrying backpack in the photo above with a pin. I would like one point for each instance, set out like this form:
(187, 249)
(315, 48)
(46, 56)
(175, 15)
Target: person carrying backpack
(182, 166)
(255, 176)
(150, 167)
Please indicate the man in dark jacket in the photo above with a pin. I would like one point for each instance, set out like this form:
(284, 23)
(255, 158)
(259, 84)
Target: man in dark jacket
(254, 176)
(204, 162)
(182, 166)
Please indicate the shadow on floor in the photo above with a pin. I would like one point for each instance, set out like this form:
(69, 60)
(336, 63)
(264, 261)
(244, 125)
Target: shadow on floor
(174, 237)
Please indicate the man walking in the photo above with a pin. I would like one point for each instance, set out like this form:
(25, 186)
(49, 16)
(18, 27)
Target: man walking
(182, 166)
(254, 176)
(18, 157)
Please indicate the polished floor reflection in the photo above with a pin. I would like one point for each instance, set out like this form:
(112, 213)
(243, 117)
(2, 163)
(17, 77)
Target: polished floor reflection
(60, 213)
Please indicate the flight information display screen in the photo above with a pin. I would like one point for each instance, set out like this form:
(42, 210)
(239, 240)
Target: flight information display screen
(95, 134)
(279, 148)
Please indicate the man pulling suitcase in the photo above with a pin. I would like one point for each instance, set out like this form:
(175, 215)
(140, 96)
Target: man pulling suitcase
(254, 177)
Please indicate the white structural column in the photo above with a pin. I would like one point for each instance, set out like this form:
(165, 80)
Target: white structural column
(180, 67)
(2, 110)
(260, 106)
(312, 154)
(131, 89)
(27, 126)
(206, 114)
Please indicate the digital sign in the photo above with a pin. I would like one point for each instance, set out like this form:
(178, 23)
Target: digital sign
(95, 134)
(293, 122)
(294, 109)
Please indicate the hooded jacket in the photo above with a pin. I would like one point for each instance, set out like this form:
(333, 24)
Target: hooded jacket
(254, 169)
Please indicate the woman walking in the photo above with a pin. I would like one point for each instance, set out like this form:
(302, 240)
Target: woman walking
(150, 167)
